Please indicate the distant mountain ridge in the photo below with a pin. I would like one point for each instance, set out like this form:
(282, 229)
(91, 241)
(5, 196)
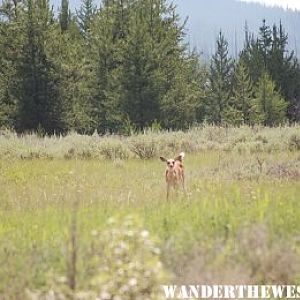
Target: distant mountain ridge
(207, 17)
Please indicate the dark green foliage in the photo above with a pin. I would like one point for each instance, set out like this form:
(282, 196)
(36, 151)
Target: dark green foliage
(74, 84)
(10, 50)
(269, 54)
(38, 96)
(265, 42)
(105, 65)
(253, 57)
(270, 107)
(220, 83)
(125, 66)
(242, 95)
(183, 105)
(85, 15)
(64, 15)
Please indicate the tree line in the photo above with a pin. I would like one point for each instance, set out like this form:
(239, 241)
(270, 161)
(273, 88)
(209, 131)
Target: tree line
(125, 65)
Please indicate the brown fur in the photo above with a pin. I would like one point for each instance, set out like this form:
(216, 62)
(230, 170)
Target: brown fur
(174, 172)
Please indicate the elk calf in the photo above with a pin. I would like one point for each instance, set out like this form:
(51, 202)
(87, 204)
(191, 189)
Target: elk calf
(174, 172)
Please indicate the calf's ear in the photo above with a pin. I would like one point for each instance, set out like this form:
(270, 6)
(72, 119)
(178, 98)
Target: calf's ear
(178, 158)
(162, 159)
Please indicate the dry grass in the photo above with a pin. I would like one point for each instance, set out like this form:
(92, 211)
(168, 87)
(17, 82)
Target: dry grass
(241, 215)
(150, 144)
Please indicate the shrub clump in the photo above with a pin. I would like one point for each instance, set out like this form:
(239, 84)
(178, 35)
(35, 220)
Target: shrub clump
(144, 147)
(124, 263)
(294, 142)
(150, 143)
(110, 148)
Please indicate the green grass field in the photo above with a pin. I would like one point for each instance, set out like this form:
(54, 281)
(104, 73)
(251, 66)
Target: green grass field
(238, 223)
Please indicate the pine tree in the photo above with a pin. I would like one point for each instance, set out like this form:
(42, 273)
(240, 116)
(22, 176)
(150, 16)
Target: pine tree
(291, 89)
(85, 15)
(269, 53)
(243, 95)
(160, 79)
(256, 52)
(11, 37)
(71, 60)
(64, 15)
(284, 70)
(220, 83)
(269, 106)
(265, 42)
(105, 63)
(183, 104)
(39, 105)
(140, 74)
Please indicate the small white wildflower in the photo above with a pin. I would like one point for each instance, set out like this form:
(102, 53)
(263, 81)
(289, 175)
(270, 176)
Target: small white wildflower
(132, 265)
(111, 221)
(130, 233)
(106, 268)
(123, 245)
(61, 279)
(124, 288)
(51, 295)
(147, 273)
(120, 272)
(118, 251)
(84, 295)
(94, 232)
(128, 221)
(105, 295)
(156, 251)
(144, 233)
(119, 262)
(132, 282)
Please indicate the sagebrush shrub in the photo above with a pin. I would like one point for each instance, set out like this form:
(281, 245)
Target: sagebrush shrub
(294, 142)
(124, 263)
(150, 143)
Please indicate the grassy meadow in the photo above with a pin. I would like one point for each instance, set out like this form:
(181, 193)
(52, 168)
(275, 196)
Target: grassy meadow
(83, 217)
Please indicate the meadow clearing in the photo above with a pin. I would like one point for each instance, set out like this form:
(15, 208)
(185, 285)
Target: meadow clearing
(83, 216)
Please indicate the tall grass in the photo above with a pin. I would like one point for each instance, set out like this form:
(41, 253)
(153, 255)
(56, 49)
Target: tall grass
(241, 214)
(150, 143)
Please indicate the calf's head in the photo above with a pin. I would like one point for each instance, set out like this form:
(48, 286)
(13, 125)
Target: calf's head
(171, 162)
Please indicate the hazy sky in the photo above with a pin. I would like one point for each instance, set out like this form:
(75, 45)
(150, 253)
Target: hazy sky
(293, 4)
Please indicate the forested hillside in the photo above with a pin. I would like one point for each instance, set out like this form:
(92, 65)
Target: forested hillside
(205, 18)
(125, 66)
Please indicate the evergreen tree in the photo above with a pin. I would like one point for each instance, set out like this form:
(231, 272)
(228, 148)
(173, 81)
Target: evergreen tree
(64, 15)
(253, 59)
(292, 91)
(269, 53)
(127, 63)
(141, 77)
(11, 38)
(269, 106)
(265, 42)
(69, 55)
(38, 96)
(243, 95)
(220, 83)
(284, 70)
(182, 105)
(85, 15)
(105, 64)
